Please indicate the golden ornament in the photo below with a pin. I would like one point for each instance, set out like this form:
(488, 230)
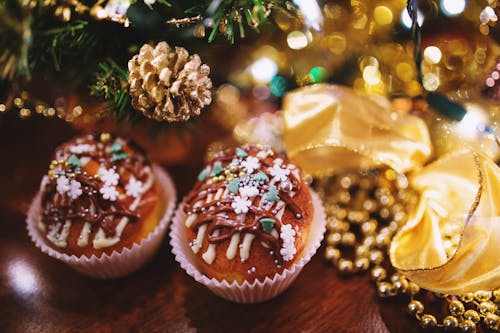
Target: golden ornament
(168, 85)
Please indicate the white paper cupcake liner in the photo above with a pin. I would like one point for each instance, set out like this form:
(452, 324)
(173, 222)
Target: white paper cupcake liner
(257, 291)
(116, 264)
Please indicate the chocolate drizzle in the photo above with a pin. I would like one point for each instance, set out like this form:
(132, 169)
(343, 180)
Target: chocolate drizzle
(220, 215)
(90, 206)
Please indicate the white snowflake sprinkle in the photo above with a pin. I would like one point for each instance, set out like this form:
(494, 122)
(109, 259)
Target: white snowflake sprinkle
(250, 164)
(82, 148)
(63, 185)
(248, 191)
(109, 193)
(75, 189)
(241, 205)
(134, 187)
(287, 234)
(279, 174)
(108, 176)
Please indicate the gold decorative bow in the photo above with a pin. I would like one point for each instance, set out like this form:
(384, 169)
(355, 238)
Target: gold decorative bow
(330, 128)
(451, 240)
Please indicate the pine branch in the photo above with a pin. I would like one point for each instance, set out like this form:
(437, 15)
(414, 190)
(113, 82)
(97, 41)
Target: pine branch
(233, 17)
(53, 44)
(111, 85)
(15, 39)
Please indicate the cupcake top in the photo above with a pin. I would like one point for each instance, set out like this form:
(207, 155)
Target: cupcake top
(96, 193)
(248, 212)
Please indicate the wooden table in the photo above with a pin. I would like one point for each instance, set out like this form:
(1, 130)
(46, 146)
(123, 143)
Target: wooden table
(40, 294)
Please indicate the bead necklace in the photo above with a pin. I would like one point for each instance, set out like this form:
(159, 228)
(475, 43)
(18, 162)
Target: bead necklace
(364, 211)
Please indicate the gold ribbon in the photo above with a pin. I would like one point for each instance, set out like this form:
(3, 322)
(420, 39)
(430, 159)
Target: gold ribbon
(451, 241)
(329, 128)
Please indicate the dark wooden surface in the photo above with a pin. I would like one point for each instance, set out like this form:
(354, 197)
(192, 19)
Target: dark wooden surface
(40, 294)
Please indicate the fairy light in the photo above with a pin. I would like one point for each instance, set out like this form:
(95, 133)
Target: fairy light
(470, 125)
(406, 19)
(296, 40)
(431, 82)
(371, 75)
(264, 69)
(432, 54)
(311, 13)
(382, 15)
(337, 43)
(405, 72)
(452, 7)
(318, 74)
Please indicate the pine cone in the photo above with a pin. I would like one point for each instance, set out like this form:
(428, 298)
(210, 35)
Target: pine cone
(168, 85)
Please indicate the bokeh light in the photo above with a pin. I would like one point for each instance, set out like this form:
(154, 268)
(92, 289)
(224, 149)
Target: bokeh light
(371, 75)
(278, 86)
(264, 69)
(296, 40)
(432, 54)
(337, 43)
(431, 82)
(406, 19)
(404, 71)
(452, 7)
(318, 74)
(469, 126)
(382, 15)
(22, 277)
(311, 13)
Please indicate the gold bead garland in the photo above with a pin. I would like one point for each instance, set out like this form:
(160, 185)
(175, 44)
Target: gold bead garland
(364, 211)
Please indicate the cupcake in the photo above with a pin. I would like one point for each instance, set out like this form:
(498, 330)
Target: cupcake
(103, 208)
(249, 224)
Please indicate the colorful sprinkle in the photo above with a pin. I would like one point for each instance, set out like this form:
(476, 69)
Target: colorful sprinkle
(267, 224)
(233, 186)
(203, 174)
(115, 147)
(216, 170)
(272, 194)
(74, 162)
(241, 153)
(261, 177)
(119, 157)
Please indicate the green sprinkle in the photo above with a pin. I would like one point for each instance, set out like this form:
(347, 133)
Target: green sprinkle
(261, 177)
(272, 195)
(119, 157)
(267, 224)
(74, 162)
(241, 153)
(115, 148)
(216, 170)
(203, 175)
(233, 186)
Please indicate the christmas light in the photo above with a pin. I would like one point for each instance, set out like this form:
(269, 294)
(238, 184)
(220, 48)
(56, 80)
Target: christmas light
(296, 40)
(382, 15)
(371, 75)
(432, 54)
(406, 20)
(452, 7)
(311, 13)
(264, 69)
(431, 82)
(474, 119)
